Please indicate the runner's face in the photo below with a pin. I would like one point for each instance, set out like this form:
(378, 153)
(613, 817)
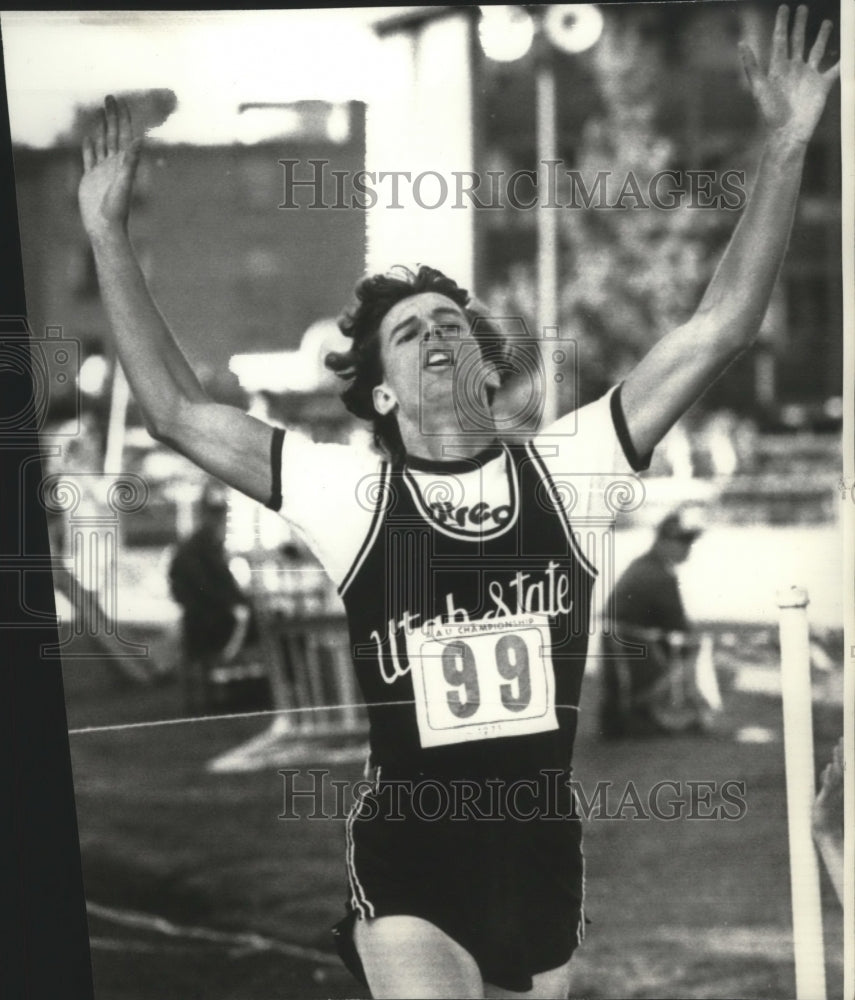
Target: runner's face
(421, 343)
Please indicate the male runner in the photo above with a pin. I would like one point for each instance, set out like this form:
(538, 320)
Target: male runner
(468, 626)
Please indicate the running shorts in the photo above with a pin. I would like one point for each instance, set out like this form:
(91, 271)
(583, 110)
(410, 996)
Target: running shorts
(508, 889)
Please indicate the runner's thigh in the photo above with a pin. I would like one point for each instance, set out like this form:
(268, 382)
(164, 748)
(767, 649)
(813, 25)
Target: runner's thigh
(551, 985)
(406, 956)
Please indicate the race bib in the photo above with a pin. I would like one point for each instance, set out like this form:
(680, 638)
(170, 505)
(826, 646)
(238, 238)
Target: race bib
(483, 679)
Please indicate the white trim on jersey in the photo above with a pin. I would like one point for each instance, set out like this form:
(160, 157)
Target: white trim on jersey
(472, 536)
(373, 531)
(551, 492)
(358, 899)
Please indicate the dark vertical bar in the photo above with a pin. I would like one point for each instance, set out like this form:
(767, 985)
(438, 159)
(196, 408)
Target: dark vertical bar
(45, 945)
(480, 268)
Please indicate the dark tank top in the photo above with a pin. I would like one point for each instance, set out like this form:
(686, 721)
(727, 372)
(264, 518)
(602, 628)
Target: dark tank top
(470, 649)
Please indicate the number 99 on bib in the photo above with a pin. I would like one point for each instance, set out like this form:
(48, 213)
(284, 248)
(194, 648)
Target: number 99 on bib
(484, 679)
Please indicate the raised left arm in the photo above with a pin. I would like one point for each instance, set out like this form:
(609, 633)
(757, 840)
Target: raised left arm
(684, 363)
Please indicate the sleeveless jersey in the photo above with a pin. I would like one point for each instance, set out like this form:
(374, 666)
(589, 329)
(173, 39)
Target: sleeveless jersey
(470, 650)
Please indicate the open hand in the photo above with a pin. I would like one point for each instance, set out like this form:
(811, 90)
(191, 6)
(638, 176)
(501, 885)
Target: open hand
(110, 159)
(791, 96)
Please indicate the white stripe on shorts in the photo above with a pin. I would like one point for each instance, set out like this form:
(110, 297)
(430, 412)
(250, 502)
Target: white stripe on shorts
(359, 900)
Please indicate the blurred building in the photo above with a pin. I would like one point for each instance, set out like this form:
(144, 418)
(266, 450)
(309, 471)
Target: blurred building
(237, 274)
(231, 270)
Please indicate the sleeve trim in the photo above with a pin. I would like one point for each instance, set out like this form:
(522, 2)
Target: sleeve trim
(554, 495)
(373, 530)
(276, 440)
(638, 463)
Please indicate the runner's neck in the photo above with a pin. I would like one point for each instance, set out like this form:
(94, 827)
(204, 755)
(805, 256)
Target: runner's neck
(457, 464)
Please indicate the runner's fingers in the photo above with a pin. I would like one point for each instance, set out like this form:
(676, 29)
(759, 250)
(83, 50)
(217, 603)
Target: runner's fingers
(779, 37)
(797, 42)
(126, 131)
(818, 48)
(132, 153)
(749, 62)
(88, 153)
(100, 137)
(111, 114)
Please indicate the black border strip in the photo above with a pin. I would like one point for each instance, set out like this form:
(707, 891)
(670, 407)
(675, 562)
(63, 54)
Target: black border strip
(46, 941)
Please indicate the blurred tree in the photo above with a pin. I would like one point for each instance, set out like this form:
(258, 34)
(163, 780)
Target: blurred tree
(632, 269)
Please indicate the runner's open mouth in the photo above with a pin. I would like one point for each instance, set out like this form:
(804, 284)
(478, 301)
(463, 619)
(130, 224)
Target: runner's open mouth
(439, 357)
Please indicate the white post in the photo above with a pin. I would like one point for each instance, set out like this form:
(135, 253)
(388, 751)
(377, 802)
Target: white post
(801, 791)
(119, 398)
(547, 228)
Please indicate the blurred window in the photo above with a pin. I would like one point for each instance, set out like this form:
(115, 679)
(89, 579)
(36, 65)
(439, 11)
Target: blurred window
(817, 176)
(142, 181)
(812, 333)
(73, 173)
(808, 296)
(261, 275)
(81, 274)
(260, 182)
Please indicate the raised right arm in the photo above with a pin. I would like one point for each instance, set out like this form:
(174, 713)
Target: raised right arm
(223, 440)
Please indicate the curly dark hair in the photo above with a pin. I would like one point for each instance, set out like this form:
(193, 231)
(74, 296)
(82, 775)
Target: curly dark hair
(361, 366)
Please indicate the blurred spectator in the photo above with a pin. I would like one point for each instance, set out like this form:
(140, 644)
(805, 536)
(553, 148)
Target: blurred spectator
(218, 620)
(828, 819)
(720, 440)
(76, 456)
(727, 444)
(652, 693)
(677, 450)
(84, 586)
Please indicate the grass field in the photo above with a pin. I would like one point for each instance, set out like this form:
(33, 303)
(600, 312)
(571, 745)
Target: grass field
(199, 890)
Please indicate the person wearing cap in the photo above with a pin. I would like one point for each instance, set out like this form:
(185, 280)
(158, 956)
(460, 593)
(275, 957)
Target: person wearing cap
(216, 616)
(646, 608)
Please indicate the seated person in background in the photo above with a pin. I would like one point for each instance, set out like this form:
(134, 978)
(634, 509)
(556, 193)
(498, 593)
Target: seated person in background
(827, 819)
(217, 620)
(638, 693)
